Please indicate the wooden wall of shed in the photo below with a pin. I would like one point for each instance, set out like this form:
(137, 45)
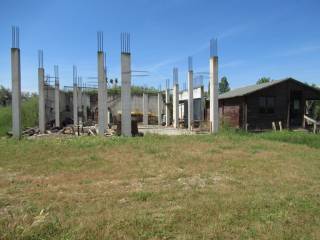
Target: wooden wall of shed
(281, 93)
(230, 112)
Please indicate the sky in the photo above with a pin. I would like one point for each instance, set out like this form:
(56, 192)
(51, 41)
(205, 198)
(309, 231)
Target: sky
(273, 38)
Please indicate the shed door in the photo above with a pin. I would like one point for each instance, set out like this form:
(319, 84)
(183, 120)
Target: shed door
(296, 109)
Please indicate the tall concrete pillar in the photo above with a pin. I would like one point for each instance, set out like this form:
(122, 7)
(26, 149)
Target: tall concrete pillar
(42, 110)
(190, 95)
(125, 85)
(167, 107)
(175, 104)
(57, 104)
(102, 102)
(57, 98)
(159, 108)
(145, 107)
(80, 102)
(102, 87)
(75, 96)
(16, 84)
(175, 99)
(75, 104)
(214, 90)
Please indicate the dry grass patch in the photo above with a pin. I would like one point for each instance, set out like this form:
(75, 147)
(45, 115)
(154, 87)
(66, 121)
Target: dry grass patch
(228, 186)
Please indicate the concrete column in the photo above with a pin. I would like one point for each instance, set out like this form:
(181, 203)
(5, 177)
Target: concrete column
(80, 104)
(159, 108)
(42, 110)
(16, 92)
(167, 107)
(85, 105)
(214, 92)
(75, 104)
(57, 104)
(126, 94)
(145, 107)
(202, 104)
(190, 99)
(102, 100)
(175, 104)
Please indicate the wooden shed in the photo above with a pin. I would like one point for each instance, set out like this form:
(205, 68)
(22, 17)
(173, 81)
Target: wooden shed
(257, 106)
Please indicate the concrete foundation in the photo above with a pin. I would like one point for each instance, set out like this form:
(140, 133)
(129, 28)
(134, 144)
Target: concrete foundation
(126, 94)
(42, 110)
(190, 99)
(167, 107)
(159, 108)
(102, 100)
(16, 92)
(175, 105)
(214, 93)
(145, 107)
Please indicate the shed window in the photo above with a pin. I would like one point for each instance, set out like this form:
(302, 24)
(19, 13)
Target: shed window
(266, 104)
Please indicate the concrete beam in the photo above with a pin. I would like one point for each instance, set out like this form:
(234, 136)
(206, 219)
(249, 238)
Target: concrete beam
(16, 92)
(190, 99)
(126, 94)
(159, 108)
(42, 110)
(145, 107)
(214, 93)
(175, 105)
(102, 100)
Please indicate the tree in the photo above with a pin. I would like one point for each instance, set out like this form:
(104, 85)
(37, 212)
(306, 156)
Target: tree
(5, 96)
(224, 85)
(263, 80)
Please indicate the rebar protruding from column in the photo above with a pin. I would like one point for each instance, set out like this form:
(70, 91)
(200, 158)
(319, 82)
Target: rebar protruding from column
(167, 83)
(56, 74)
(75, 75)
(190, 64)
(100, 41)
(125, 42)
(214, 47)
(15, 36)
(175, 76)
(40, 58)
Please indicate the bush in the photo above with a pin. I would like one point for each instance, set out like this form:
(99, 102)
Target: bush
(29, 115)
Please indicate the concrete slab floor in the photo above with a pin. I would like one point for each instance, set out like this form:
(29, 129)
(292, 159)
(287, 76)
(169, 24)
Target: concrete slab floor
(161, 130)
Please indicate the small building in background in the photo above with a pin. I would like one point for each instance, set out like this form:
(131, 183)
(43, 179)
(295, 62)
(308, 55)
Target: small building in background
(256, 107)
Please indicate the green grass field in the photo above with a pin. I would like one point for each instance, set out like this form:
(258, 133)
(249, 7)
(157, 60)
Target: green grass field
(229, 186)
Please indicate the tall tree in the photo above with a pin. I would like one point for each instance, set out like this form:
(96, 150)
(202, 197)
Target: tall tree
(224, 85)
(263, 80)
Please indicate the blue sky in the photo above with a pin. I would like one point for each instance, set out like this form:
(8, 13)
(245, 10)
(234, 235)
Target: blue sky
(270, 38)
